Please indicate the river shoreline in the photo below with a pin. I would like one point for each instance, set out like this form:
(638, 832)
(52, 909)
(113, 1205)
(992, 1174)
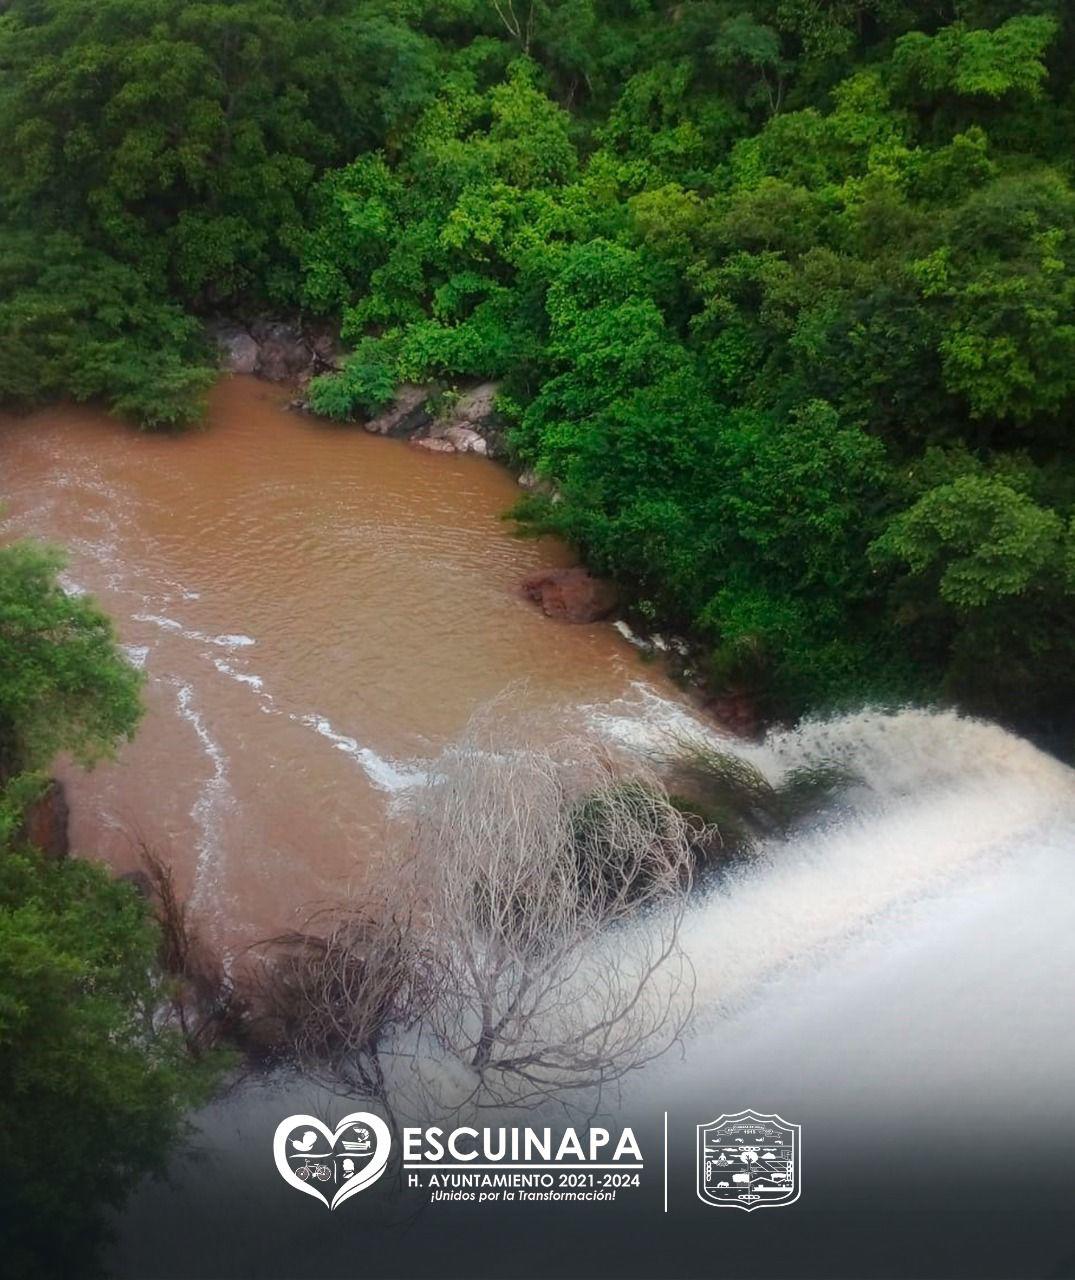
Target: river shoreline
(447, 419)
(317, 612)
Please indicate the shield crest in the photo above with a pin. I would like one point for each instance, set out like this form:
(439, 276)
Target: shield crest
(749, 1161)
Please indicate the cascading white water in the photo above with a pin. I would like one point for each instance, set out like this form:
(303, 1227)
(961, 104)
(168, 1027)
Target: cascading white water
(905, 965)
(937, 795)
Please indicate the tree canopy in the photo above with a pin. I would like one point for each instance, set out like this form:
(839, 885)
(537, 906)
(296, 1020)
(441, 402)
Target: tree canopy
(781, 293)
(63, 684)
(84, 1051)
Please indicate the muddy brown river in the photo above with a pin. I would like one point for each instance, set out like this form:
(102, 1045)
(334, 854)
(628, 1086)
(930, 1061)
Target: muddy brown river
(317, 611)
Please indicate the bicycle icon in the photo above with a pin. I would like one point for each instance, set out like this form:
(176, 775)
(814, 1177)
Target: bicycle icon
(321, 1172)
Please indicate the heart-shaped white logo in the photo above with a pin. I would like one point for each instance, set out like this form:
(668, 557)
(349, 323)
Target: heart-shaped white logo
(331, 1166)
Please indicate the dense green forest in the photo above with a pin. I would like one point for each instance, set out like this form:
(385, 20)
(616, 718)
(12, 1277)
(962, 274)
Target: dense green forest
(781, 293)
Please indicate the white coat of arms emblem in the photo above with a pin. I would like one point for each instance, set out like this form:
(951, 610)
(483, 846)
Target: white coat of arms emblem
(749, 1161)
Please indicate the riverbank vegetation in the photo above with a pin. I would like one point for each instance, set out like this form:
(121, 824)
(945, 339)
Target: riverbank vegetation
(94, 1074)
(780, 293)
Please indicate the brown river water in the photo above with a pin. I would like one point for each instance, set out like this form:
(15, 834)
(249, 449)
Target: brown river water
(317, 611)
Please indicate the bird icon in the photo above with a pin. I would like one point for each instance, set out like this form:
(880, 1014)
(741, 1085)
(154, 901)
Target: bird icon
(305, 1142)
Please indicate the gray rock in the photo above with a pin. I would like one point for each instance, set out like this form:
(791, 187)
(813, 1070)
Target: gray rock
(474, 408)
(464, 439)
(327, 351)
(435, 444)
(284, 354)
(407, 414)
(534, 483)
(238, 349)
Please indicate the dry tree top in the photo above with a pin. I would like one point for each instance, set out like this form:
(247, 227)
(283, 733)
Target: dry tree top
(523, 945)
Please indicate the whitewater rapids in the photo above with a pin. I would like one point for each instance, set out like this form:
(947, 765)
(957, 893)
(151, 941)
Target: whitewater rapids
(904, 967)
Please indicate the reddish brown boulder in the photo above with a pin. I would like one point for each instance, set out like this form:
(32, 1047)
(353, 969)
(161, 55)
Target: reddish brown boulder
(736, 712)
(45, 823)
(571, 595)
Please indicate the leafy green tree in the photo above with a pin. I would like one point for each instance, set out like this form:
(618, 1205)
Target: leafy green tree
(76, 322)
(64, 686)
(84, 1057)
(1005, 278)
(985, 587)
(975, 62)
(180, 136)
(979, 539)
(92, 1090)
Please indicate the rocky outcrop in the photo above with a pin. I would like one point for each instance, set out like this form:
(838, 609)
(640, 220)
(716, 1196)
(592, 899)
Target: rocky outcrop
(453, 439)
(238, 350)
(737, 712)
(433, 444)
(284, 355)
(571, 595)
(45, 822)
(276, 350)
(469, 424)
(537, 484)
(473, 424)
(408, 414)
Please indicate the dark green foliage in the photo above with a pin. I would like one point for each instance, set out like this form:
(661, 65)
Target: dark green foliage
(182, 135)
(738, 801)
(92, 1092)
(157, 159)
(747, 270)
(92, 1086)
(736, 313)
(76, 322)
(64, 686)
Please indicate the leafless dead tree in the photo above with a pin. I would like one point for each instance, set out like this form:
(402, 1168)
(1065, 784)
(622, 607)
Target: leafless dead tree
(523, 946)
(519, 24)
(201, 1000)
(338, 987)
(551, 886)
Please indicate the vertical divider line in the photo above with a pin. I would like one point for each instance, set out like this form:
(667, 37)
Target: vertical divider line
(666, 1162)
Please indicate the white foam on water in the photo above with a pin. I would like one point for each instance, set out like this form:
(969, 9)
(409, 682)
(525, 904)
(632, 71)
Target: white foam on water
(165, 624)
(939, 802)
(225, 641)
(243, 677)
(184, 592)
(933, 794)
(630, 635)
(137, 654)
(645, 721)
(915, 946)
(214, 799)
(386, 775)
